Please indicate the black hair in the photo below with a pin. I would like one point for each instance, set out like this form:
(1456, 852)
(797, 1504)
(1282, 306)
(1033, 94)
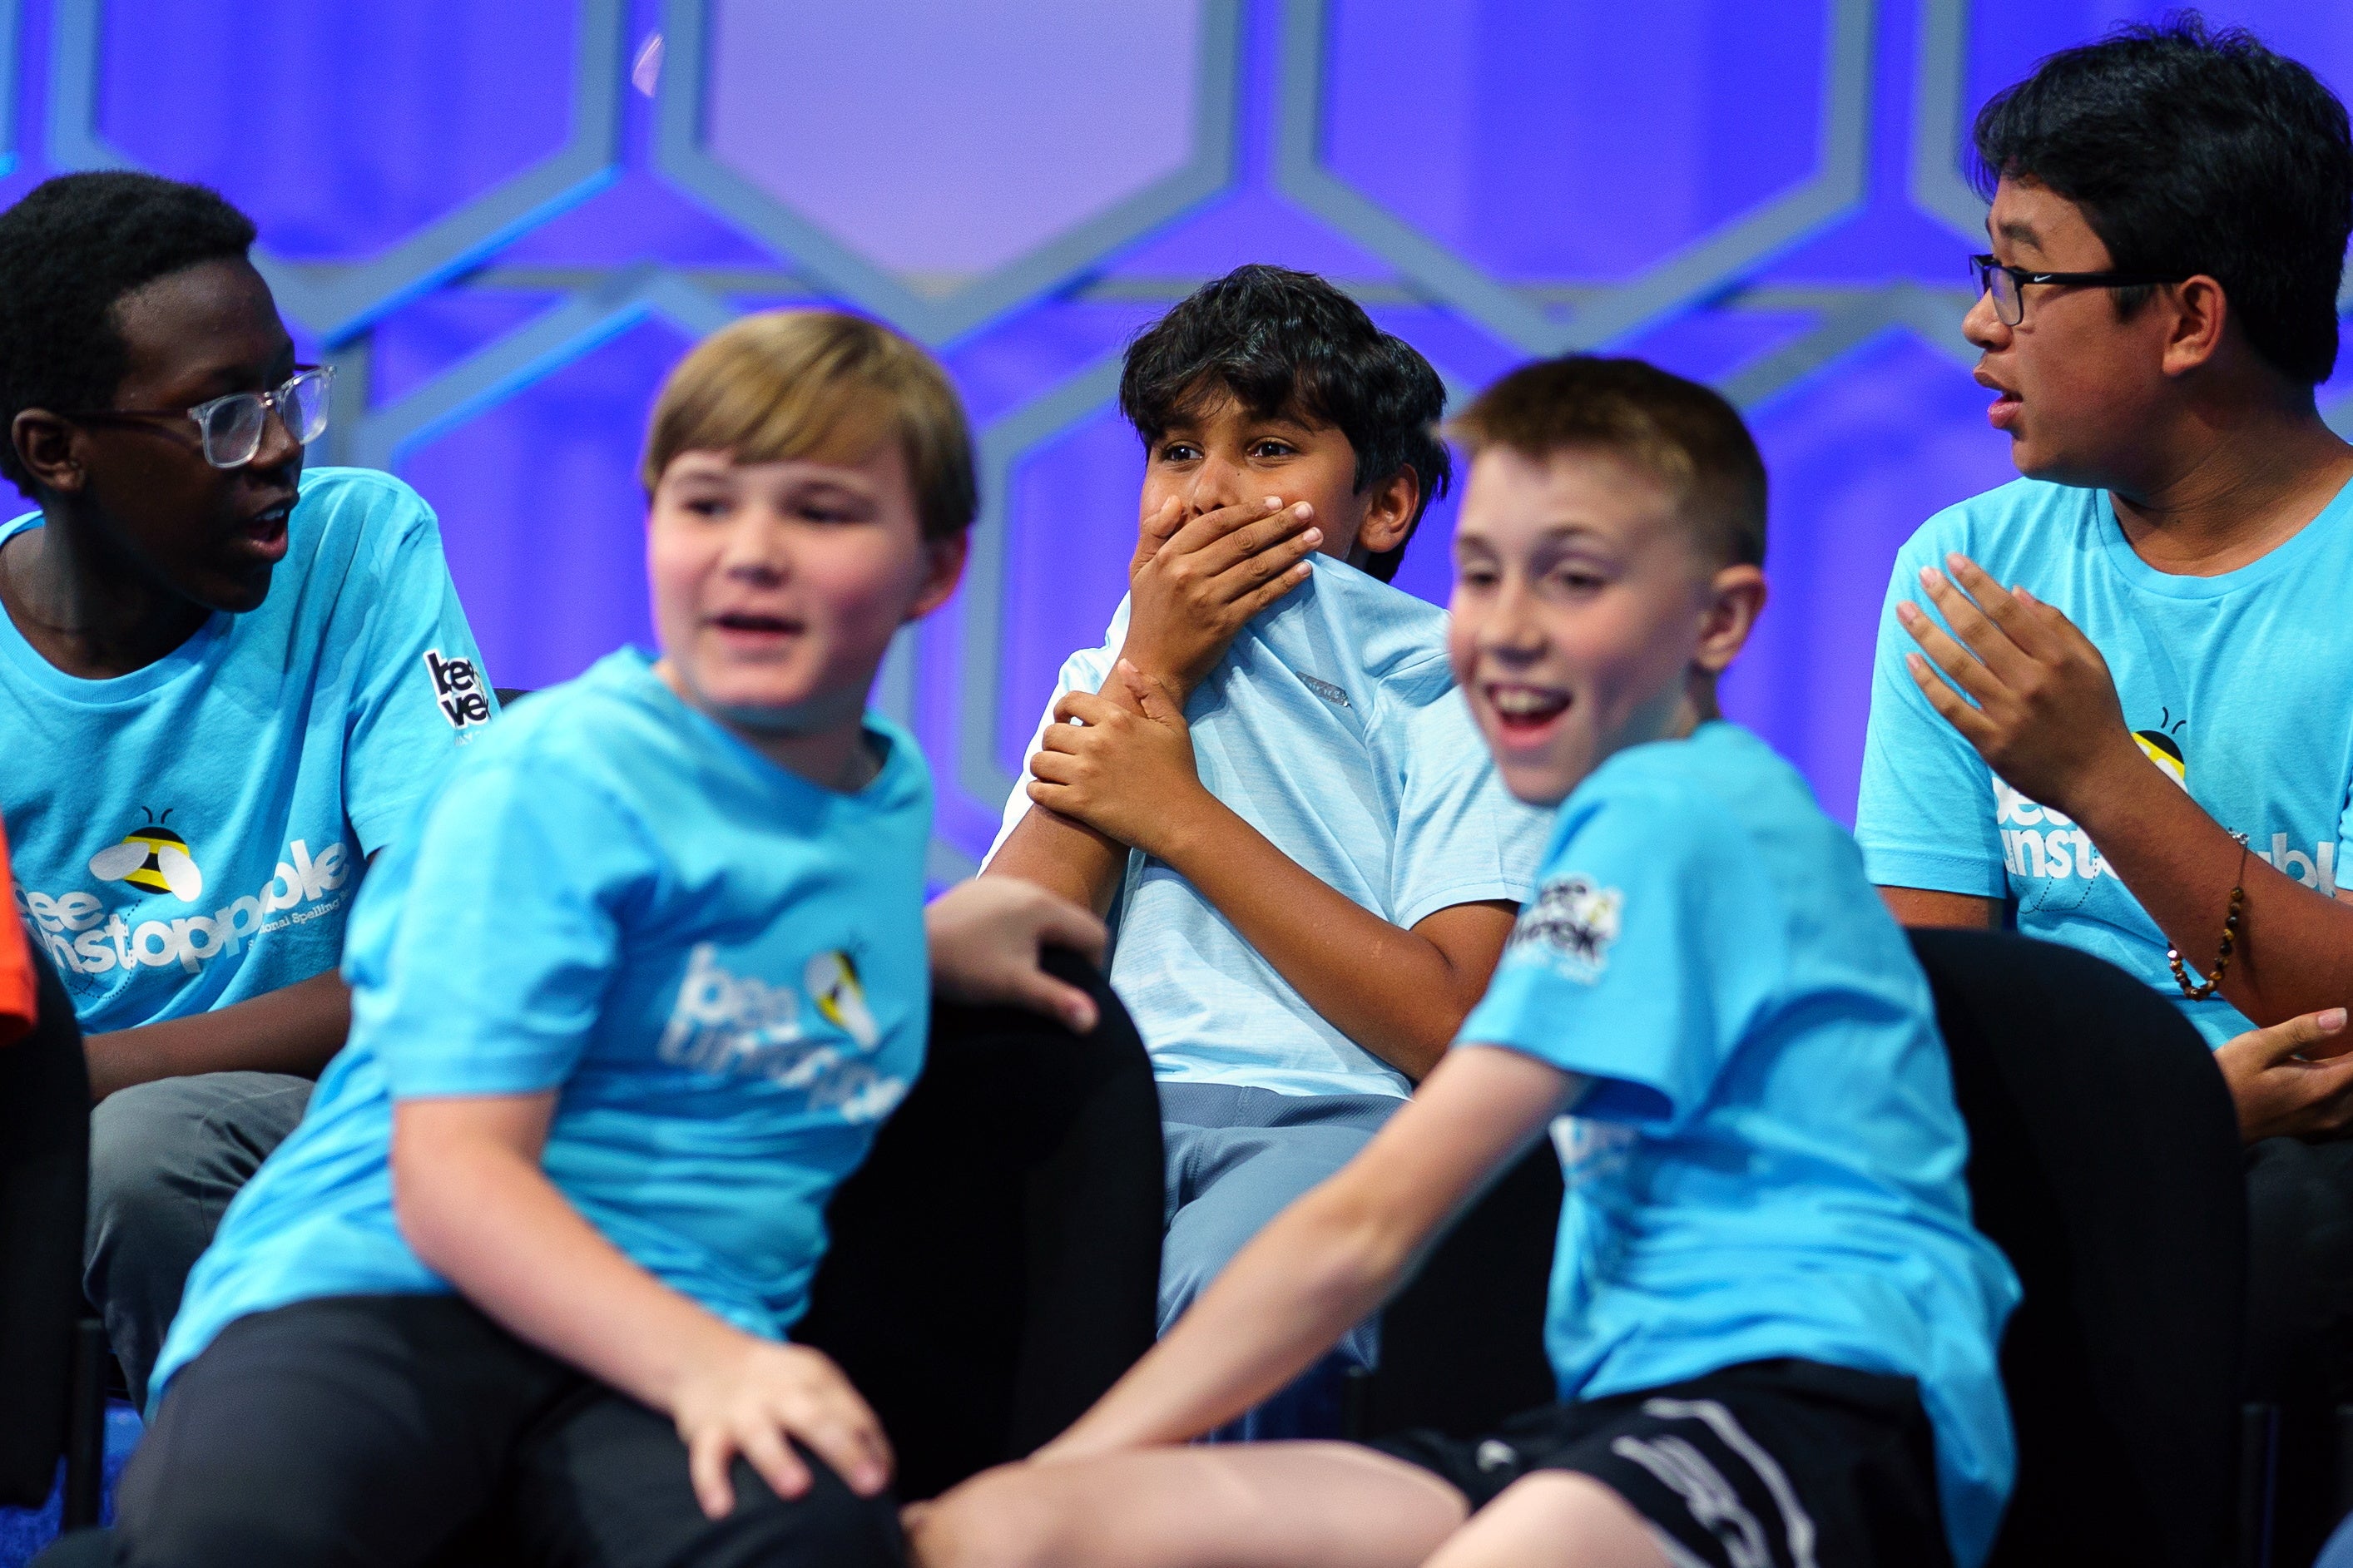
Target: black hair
(1281, 341)
(2194, 151)
(68, 252)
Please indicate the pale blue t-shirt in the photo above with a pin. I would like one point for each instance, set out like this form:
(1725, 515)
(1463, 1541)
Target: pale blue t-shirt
(2239, 685)
(1768, 1162)
(718, 965)
(189, 836)
(1332, 726)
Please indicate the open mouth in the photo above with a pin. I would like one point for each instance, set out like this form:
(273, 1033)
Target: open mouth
(1526, 712)
(751, 624)
(265, 531)
(2005, 404)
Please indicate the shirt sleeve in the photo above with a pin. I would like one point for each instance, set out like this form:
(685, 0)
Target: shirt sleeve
(1650, 948)
(1461, 836)
(417, 689)
(1082, 671)
(1924, 813)
(479, 965)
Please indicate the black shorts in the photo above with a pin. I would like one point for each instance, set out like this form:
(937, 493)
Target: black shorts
(1790, 1463)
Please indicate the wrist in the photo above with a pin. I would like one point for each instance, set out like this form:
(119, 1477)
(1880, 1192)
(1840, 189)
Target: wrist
(1180, 683)
(1185, 827)
(2107, 787)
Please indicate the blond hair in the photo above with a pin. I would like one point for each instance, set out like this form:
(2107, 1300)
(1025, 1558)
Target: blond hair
(820, 384)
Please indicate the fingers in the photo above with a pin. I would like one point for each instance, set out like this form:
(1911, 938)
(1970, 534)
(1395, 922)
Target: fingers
(1288, 535)
(708, 1453)
(2297, 1036)
(1958, 712)
(838, 1428)
(1212, 526)
(1989, 644)
(1085, 708)
(764, 1444)
(1958, 664)
(1061, 923)
(1151, 695)
(2022, 628)
(1042, 993)
(1160, 527)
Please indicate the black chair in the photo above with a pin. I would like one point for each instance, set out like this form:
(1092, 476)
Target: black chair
(2105, 1160)
(995, 1264)
(52, 1350)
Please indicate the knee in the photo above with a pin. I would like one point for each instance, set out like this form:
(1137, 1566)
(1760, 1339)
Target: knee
(138, 1139)
(1000, 1520)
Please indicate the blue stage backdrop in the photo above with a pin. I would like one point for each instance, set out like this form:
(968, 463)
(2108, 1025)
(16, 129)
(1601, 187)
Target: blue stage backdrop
(503, 221)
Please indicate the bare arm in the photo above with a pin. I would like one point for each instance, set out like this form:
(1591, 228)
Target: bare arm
(472, 1199)
(1066, 858)
(1330, 1258)
(293, 1029)
(1920, 907)
(1399, 993)
(2046, 718)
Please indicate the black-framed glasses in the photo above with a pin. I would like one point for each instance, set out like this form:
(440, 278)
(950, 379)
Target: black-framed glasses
(2008, 284)
(232, 426)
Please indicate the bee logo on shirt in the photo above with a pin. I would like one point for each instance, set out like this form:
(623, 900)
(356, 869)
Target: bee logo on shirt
(1570, 927)
(151, 856)
(832, 981)
(2160, 747)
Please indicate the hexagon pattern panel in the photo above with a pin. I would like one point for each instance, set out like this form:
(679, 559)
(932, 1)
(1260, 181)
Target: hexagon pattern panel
(503, 223)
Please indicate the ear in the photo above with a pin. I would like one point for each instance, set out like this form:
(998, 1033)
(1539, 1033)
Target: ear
(1388, 514)
(44, 445)
(2198, 313)
(1734, 597)
(942, 569)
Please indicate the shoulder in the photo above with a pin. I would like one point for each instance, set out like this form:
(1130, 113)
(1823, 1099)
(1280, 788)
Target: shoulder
(2001, 525)
(358, 523)
(594, 731)
(1398, 641)
(1711, 797)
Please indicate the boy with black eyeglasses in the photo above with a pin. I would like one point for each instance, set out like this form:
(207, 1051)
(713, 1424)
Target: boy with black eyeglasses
(223, 685)
(2111, 701)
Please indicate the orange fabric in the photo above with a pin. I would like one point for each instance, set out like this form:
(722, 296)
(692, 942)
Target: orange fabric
(17, 993)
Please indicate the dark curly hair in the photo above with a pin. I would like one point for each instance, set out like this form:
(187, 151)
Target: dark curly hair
(73, 247)
(2194, 151)
(1289, 342)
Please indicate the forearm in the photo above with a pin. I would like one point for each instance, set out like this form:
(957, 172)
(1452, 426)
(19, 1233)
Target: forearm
(1064, 856)
(1393, 992)
(294, 1029)
(489, 1221)
(1319, 1268)
(2295, 951)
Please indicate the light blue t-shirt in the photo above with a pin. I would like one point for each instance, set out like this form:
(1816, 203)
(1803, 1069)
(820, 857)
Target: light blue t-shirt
(2240, 687)
(189, 835)
(718, 965)
(1768, 1162)
(1331, 725)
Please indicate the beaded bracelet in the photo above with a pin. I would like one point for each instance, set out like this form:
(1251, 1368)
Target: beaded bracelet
(2230, 940)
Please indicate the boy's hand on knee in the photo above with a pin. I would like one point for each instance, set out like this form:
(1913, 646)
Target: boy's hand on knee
(1123, 767)
(1194, 584)
(986, 938)
(757, 1401)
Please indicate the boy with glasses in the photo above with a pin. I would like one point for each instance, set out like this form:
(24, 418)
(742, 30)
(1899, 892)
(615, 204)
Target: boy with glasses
(223, 685)
(2112, 698)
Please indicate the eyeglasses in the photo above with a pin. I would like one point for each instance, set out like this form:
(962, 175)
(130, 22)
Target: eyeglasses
(232, 426)
(2008, 284)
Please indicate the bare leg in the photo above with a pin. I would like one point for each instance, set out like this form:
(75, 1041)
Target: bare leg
(1553, 1519)
(1280, 1505)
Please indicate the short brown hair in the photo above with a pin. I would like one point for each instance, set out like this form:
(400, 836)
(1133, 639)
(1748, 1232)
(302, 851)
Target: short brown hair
(1687, 437)
(818, 384)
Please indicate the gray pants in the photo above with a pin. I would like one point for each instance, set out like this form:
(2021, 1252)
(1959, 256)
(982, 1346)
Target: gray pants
(1236, 1158)
(164, 1160)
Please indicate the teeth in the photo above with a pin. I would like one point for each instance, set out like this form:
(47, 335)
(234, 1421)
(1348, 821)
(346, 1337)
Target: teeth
(1520, 702)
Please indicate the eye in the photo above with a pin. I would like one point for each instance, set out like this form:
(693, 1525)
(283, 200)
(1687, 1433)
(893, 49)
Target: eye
(710, 508)
(1577, 579)
(1268, 447)
(1476, 575)
(1179, 452)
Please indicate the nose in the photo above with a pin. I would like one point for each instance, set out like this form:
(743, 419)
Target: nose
(1216, 483)
(1510, 630)
(277, 446)
(757, 546)
(1984, 327)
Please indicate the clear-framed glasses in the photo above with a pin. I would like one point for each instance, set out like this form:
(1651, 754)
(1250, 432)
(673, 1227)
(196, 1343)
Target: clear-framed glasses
(231, 426)
(2008, 284)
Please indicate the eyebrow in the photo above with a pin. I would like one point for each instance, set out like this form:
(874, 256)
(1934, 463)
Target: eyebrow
(2017, 232)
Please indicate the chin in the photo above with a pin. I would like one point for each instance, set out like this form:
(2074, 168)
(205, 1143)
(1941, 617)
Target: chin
(1538, 784)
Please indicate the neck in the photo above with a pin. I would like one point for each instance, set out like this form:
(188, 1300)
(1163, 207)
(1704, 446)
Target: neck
(86, 608)
(823, 741)
(2236, 484)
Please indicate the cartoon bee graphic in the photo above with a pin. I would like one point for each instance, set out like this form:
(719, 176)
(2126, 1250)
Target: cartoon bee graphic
(2160, 747)
(833, 983)
(153, 857)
